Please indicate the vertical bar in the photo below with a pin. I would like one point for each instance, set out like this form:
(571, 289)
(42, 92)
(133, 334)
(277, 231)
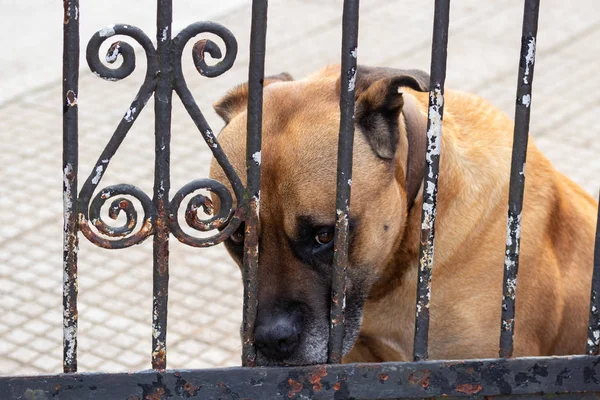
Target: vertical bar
(344, 178)
(432, 166)
(162, 111)
(517, 175)
(592, 347)
(70, 160)
(256, 73)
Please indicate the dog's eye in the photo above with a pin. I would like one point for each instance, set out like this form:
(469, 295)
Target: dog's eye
(323, 238)
(238, 236)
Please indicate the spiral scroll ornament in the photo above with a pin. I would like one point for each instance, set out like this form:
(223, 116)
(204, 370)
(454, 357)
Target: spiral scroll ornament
(119, 199)
(222, 220)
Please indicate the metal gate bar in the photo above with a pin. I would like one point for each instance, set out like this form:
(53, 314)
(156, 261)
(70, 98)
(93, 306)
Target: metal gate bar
(517, 175)
(258, 37)
(162, 183)
(344, 178)
(593, 340)
(70, 163)
(435, 116)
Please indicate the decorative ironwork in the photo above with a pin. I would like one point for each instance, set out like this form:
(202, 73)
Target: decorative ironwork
(164, 75)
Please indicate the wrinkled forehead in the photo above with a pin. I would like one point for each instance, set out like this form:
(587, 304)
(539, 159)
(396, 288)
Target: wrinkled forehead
(299, 152)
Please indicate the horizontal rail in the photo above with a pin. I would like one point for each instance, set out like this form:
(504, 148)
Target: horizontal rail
(504, 377)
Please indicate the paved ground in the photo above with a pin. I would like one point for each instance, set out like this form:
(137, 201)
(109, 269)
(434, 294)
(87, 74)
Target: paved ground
(205, 288)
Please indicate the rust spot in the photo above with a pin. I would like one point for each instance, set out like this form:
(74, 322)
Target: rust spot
(66, 6)
(159, 394)
(420, 377)
(337, 386)
(192, 390)
(468, 388)
(315, 378)
(160, 358)
(383, 377)
(71, 98)
(295, 387)
(199, 48)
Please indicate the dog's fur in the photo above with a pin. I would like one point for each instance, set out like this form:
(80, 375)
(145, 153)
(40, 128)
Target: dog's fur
(298, 185)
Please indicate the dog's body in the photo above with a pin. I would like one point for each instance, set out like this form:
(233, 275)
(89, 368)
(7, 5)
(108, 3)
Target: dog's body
(300, 128)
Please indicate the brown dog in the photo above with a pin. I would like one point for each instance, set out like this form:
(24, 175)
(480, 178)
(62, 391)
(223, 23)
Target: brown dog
(300, 135)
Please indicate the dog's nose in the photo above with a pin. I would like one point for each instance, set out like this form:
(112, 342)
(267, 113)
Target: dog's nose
(277, 336)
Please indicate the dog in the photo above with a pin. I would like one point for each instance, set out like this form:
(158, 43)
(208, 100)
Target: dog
(297, 216)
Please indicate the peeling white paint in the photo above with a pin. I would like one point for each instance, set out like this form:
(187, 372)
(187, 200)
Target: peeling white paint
(518, 230)
(130, 115)
(112, 56)
(256, 157)
(165, 33)
(529, 59)
(72, 102)
(98, 175)
(434, 133)
(108, 31)
(522, 170)
(526, 100)
(354, 52)
(210, 138)
(257, 201)
(67, 203)
(349, 182)
(76, 13)
(352, 83)
(511, 287)
(70, 337)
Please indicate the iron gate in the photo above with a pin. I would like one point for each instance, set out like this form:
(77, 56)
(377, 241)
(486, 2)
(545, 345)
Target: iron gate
(573, 376)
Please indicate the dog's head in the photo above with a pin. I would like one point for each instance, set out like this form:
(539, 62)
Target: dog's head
(297, 200)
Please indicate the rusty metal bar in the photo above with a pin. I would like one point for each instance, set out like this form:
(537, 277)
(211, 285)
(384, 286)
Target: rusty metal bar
(344, 179)
(593, 341)
(162, 110)
(256, 73)
(532, 378)
(432, 166)
(70, 163)
(517, 174)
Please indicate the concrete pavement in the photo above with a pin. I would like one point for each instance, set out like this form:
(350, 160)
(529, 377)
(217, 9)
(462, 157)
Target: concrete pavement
(205, 288)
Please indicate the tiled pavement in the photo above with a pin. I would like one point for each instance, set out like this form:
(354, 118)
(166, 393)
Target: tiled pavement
(205, 288)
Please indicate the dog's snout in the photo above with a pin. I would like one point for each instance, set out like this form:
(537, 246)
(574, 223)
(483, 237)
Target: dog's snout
(277, 336)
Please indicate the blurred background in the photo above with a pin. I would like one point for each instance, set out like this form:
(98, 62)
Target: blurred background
(205, 296)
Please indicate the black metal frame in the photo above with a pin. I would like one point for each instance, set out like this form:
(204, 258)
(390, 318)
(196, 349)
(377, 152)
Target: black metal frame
(534, 377)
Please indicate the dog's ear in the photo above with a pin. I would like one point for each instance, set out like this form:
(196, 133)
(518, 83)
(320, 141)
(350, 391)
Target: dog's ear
(236, 100)
(379, 102)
